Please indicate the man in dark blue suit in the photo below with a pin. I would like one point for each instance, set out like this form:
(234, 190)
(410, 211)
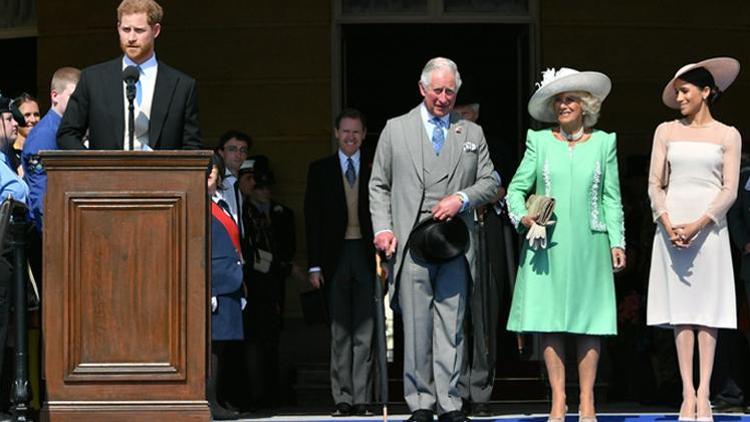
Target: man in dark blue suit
(342, 257)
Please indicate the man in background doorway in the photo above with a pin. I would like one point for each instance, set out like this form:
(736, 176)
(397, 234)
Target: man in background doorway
(342, 259)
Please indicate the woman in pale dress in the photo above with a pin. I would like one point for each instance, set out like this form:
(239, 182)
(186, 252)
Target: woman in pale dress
(692, 184)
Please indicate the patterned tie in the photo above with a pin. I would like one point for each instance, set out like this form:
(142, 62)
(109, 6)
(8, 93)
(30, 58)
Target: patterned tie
(139, 87)
(351, 175)
(438, 136)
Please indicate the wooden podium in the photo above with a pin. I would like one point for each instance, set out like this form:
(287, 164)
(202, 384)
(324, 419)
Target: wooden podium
(125, 286)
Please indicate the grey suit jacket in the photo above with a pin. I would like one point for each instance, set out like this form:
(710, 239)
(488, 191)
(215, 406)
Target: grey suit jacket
(397, 174)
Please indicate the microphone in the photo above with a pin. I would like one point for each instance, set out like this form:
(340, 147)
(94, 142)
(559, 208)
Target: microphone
(130, 75)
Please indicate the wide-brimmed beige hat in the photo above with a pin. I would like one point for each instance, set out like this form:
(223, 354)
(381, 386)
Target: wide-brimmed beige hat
(565, 80)
(723, 69)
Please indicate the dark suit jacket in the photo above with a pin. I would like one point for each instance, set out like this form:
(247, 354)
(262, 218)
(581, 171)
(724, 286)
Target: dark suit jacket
(326, 214)
(97, 105)
(738, 219)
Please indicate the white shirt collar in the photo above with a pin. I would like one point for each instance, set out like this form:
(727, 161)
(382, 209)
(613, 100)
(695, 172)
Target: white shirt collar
(217, 196)
(427, 116)
(355, 160)
(228, 173)
(147, 66)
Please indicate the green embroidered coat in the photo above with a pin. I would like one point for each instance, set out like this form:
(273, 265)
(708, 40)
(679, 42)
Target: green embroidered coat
(568, 287)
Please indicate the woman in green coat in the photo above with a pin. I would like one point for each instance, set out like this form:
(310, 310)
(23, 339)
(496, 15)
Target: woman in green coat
(565, 283)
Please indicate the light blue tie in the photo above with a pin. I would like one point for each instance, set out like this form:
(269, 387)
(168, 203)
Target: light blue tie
(438, 136)
(139, 87)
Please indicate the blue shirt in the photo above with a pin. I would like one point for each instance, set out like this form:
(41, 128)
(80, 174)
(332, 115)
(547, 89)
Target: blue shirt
(11, 184)
(429, 126)
(42, 137)
(343, 161)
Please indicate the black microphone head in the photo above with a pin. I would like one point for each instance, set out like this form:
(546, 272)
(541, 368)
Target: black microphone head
(130, 74)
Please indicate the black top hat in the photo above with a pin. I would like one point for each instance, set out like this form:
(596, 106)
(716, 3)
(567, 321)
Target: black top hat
(262, 171)
(436, 241)
(7, 106)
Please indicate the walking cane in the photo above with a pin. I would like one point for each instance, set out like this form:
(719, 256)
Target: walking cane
(382, 277)
(484, 276)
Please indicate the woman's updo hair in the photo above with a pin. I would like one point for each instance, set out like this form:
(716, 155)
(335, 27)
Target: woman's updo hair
(702, 78)
(590, 105)
(218, 162)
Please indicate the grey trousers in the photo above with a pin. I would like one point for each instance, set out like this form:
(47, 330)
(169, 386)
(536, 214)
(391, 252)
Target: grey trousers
(433, 299)
(352, 307)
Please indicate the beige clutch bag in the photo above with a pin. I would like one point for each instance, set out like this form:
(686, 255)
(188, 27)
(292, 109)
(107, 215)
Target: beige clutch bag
(541, 206)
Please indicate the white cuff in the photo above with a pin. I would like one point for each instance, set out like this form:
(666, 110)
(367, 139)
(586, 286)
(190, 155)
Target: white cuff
(383, 231)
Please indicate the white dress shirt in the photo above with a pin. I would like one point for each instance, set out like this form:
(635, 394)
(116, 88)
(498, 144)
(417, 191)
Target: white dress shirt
(142, 110)
(233, 198)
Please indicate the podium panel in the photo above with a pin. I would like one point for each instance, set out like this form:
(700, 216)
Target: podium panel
(125, 292)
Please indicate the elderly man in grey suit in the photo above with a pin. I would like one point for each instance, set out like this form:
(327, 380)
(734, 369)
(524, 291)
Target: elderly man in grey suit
(430, 163)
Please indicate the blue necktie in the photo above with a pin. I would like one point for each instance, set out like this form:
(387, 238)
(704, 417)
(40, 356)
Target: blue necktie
(139, 87)
(351, 175)
(438, 136)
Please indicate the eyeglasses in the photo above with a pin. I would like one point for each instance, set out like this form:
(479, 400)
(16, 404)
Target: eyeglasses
(234, 148)
(568, 99)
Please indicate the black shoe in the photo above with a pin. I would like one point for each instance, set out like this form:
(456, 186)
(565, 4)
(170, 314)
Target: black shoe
(219, 413)
(453, 416)
(723, 406)
(421, 415)
(342, 409)
(466, 406)
(361, 410)
(481, 409)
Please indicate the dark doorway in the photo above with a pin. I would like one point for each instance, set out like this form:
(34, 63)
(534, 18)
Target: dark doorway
(19, 75)
(382, 62)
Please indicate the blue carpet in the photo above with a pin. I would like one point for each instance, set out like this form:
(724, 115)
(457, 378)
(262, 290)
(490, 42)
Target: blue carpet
(623, 417)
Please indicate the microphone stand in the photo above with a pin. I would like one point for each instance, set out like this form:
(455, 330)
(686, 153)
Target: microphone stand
(21, 392)
(130, 93)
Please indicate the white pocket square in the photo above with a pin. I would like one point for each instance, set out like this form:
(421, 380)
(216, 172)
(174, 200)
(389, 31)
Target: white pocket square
(470, 147)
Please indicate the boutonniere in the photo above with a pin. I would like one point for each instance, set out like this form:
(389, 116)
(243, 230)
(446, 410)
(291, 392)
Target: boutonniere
(459, 129)
(470, 147)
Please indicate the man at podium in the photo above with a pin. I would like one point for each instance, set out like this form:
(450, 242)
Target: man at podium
(165, 114)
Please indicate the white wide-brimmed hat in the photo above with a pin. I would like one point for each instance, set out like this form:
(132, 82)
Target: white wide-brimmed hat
(565, 80)
(723, 69)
